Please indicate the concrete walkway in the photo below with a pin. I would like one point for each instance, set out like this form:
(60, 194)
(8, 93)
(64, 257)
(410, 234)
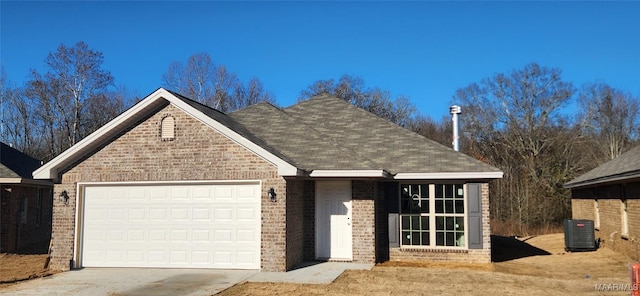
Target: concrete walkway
(309, 273)
(160, 282)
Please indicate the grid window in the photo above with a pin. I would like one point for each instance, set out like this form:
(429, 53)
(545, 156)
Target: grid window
(415, 198)
(449, 199)
(432, 215)
(450, 231)
(415, 230)
(625, 218)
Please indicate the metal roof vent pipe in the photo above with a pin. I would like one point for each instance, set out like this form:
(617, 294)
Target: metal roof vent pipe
(455, 110)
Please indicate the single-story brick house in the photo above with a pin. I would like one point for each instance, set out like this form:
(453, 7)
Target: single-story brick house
(25, 204)
(610, 196)
(173, 183)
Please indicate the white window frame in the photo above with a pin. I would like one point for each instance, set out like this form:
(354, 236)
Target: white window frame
(596, 211)
(624, 214)
(432, 217)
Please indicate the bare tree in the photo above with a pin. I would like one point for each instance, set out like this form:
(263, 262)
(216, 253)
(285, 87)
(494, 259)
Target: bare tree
(251, 93)
(353, 90)
(514, 121)
(441, 132)
(78, 71)
(610, 117)
(200, 79)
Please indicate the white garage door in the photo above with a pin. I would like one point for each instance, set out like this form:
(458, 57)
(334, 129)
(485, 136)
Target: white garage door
(172, 226)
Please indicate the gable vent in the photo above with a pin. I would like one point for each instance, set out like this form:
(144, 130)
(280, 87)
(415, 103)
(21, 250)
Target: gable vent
(168, 129)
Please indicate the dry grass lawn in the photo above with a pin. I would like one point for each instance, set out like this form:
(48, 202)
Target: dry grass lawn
(17, 267)
(544, 268)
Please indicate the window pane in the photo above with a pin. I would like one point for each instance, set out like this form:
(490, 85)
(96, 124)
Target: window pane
(406, 238)
(450, 223)
(460, 223)
(440, 238)
(425, 223)
(415, 222)
(459, 206)
(405, 199)
(439, 206)
(425, 206)
(424, 191)
(459, 191)
(448, 206)
(425, 238)
(406, 225)
(448, 191)
(450, 236)
(415, 238)
(439, 191)
(460, 239)
(439, 223)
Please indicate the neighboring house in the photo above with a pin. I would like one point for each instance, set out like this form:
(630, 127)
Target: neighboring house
(25, 204)
(173, 183)
(610, 196)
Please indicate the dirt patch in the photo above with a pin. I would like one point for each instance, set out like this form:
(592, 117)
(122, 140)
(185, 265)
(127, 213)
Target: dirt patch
(18, 267)
(541, 268)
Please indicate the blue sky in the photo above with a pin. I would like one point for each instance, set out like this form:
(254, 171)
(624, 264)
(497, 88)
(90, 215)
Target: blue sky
(425, 50)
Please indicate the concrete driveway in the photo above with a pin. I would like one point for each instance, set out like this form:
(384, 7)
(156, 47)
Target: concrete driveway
(131, 281)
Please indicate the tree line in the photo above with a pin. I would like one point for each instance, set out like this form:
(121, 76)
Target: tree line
(517, 121)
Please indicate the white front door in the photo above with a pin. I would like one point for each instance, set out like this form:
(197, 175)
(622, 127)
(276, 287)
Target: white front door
(333, 220)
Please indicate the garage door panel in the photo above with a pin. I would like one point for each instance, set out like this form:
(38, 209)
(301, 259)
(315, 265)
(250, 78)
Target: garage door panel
(204, 226)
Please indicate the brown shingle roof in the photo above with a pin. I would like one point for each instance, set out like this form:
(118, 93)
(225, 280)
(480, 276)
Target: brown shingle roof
(326, 132)
(15, 164)
(625, 166)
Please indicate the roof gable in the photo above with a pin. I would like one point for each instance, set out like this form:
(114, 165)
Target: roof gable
(149, 105)
(625, 166)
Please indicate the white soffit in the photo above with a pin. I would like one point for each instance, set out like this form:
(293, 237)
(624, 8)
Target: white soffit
(449, 175)
(350, 173)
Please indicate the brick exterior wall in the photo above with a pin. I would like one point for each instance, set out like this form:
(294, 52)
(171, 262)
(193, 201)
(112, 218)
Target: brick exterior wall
(300, 223)
(309, 221)
(609, 201)
(197, 153)
(34, 234)
(453, 255)
(363, 220)
(382, 224)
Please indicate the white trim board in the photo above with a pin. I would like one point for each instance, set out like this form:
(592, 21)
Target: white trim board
(448, 176)
(150, 103)
(350, 173)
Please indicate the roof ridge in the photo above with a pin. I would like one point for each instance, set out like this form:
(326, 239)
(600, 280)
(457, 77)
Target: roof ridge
(376, 117)
(334, 141)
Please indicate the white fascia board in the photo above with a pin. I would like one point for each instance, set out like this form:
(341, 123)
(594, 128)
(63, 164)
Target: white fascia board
(448, 175)
(50, 169)
(350, 173)
(23, 181)
(284, 168)
(10, 180)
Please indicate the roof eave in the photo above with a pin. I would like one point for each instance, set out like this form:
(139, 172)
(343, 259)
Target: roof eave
(51, 169)
(25, 181)
(603, 180)
(350, 174)
(449, 175)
